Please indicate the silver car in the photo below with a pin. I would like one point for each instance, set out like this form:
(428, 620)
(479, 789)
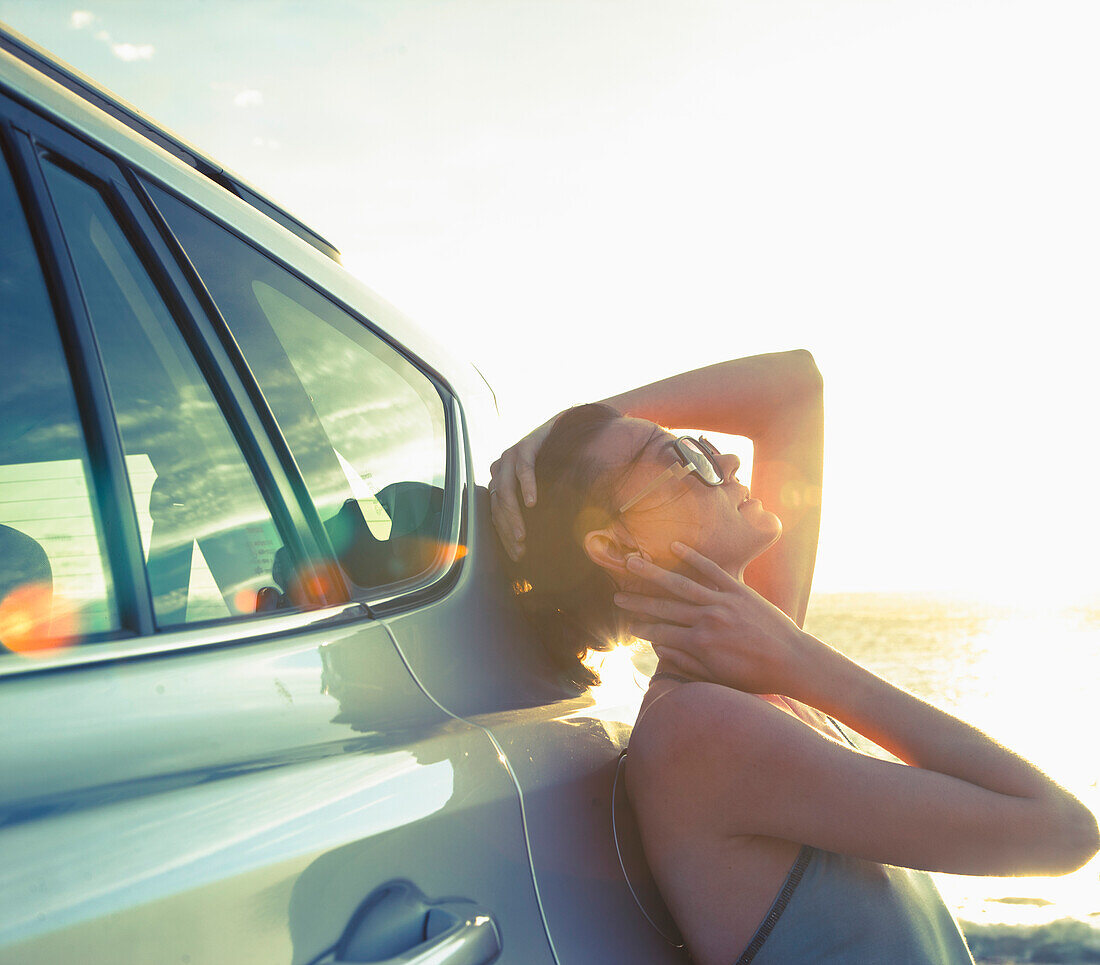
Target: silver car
(266, 694)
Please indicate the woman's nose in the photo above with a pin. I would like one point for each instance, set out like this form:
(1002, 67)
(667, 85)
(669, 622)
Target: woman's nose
(730, 464)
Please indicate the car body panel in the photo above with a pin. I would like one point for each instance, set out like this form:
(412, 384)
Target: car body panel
(238, 804)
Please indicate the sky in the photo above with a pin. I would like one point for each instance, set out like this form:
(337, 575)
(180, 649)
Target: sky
(584, 195)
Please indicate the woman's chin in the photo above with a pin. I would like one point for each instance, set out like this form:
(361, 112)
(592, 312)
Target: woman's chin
(734, 559)
(767, 530)
(766, 523)
(734, 545)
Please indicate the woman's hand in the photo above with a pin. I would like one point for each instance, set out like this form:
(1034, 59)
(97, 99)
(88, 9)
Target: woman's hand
(513, 476)
(719, 630)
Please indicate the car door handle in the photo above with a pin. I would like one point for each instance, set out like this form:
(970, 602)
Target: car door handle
(473, 939)
(397, 925)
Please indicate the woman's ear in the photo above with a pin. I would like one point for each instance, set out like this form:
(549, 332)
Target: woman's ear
(608, 550)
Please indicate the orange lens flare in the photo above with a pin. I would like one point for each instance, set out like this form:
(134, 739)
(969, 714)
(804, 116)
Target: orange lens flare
(25, 621)
(441, 552)
(794, 499)
(452, 551)
(244, 601)
(310, 585)
(318, 585)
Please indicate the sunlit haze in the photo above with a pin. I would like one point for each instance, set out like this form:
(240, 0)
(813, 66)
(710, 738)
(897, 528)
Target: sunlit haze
(583, 196)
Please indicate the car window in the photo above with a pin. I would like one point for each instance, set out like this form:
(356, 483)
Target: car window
(55, 585)
(365, 426)
(208, 538)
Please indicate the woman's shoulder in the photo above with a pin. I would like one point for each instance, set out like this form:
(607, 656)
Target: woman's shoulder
(678, 722)
(687, 755)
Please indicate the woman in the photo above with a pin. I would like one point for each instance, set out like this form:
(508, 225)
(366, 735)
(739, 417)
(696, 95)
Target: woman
(770, 836)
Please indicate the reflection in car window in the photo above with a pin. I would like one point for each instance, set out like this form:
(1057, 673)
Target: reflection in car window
(365, 426)
(208, 538)
(55, 586)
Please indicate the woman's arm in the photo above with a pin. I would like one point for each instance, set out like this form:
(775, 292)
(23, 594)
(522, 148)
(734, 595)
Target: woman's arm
(774, 400)
(965, 805)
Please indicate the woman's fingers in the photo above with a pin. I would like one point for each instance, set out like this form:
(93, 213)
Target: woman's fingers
(679, 660)
(513, 483)
(505, 521)
(525, 473)
(705, 566)
(660, 634)
(507, 516)
(672, 611)
(682, 586)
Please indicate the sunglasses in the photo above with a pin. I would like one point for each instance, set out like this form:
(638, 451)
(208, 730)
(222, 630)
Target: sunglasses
(696, 456)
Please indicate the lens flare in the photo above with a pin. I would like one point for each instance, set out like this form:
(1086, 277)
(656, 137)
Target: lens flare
(450, 552)
(244, 601)
(318, 584)
(25, 620)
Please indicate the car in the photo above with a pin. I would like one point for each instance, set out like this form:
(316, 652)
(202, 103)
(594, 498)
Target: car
(267, 694)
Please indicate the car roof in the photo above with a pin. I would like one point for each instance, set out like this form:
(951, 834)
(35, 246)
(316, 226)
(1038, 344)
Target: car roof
(84, 87)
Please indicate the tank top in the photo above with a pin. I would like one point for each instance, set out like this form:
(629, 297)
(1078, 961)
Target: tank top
(833, 909)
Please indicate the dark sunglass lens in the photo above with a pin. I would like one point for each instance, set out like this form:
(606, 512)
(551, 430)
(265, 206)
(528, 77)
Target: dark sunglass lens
(701, 461)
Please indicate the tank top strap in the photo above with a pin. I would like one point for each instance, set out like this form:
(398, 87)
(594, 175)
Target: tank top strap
(662, 675)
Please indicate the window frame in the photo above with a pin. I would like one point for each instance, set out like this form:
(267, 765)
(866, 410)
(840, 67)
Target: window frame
(24, 136)
(391, 597)
(111, 502)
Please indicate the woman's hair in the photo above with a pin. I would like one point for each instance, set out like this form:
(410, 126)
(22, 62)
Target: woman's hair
(567, 597)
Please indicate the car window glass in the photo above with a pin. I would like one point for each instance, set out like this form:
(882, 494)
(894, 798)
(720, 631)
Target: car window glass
(365, 426)
(208, 539)
(55, 585)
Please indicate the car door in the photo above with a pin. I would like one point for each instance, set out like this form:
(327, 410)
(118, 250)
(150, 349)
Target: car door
(211, 749)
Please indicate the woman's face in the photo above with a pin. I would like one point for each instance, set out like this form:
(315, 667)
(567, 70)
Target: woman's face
(718, 521)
